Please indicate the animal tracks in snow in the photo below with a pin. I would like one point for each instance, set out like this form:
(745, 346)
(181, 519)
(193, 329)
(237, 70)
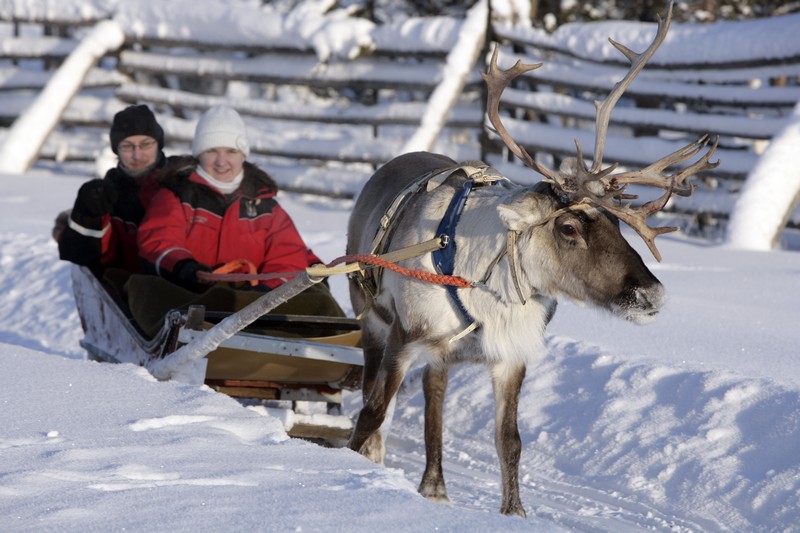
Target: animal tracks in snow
(639, 434)
(134, 476)
(139, 455)
(167, 421)
(245, 430)
(131, 476)
(50, 437)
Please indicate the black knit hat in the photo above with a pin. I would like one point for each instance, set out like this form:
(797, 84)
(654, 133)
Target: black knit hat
(135, 120)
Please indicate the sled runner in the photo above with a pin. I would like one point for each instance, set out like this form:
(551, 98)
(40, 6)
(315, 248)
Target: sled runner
(273, 358)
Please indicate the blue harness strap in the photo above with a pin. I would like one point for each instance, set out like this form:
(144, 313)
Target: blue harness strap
(444, 258)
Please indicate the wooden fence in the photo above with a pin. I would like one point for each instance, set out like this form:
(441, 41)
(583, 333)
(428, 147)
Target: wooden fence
(294, 105)
(339, 120)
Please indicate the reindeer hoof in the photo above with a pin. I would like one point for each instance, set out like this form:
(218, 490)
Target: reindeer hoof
(373, 448)
(514, 509)
(442, 500)
(434, 491)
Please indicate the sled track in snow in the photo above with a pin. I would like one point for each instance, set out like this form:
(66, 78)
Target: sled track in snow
(472, 475)
(473, 483)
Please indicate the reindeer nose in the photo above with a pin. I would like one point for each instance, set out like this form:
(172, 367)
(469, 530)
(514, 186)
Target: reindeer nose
(641, 303)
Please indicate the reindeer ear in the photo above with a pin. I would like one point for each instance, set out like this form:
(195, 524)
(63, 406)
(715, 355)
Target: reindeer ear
(524, 210)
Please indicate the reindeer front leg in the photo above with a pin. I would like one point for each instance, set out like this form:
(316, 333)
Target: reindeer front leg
(507, 383)
(434, 384)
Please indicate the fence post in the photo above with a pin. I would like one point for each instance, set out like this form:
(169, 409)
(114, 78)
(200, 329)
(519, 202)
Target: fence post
(460, 62)
(29, 132)
(770, 193)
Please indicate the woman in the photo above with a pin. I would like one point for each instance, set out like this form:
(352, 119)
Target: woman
(215, 208)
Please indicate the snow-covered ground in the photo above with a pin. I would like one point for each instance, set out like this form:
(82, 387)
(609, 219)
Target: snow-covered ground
(688, 424)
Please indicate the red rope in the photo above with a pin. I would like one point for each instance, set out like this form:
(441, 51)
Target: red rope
(438, 279)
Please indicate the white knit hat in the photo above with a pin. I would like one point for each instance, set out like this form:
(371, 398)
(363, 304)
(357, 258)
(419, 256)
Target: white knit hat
(220, 127)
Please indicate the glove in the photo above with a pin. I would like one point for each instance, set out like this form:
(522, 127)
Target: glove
(96, 198)
(60, 224)
(186, 274)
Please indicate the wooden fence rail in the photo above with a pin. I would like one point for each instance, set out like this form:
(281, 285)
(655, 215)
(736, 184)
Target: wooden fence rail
(294, 102)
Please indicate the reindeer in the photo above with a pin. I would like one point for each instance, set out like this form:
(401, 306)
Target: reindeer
(522, 248)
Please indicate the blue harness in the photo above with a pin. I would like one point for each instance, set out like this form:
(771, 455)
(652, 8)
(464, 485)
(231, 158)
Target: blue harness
(444, 258)
(479, 174)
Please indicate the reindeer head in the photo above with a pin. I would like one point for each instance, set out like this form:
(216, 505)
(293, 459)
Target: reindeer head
(579, 185)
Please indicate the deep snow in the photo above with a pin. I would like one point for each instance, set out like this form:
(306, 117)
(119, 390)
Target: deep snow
(687, 424)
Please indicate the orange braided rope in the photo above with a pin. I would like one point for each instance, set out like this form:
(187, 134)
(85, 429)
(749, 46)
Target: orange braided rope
(438, 279)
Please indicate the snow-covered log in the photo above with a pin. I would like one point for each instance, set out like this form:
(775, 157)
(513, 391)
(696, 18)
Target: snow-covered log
(769, 194)
(457, 69)
(31, 129)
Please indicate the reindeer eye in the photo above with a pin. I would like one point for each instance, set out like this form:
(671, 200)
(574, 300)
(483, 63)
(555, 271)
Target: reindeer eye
(568, 229)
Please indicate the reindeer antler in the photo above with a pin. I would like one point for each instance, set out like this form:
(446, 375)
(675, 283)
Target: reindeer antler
(638, 61)
(600, 187)
(496, 81)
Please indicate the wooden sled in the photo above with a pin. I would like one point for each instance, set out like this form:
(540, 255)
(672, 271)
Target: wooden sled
(271, 359)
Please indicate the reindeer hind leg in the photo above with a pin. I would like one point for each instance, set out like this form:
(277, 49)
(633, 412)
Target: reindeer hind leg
(373, 349)
(366, 437)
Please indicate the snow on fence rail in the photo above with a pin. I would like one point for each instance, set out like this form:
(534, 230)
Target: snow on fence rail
(381, 96)
(294, 69)
(701, 80)
(382, 113)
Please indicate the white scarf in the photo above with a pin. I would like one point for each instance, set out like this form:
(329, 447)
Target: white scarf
(222, 186)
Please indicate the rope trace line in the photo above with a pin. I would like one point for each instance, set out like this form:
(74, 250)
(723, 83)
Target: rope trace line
(352, 263)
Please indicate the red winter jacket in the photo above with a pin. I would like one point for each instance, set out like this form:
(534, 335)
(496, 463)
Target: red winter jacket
(109, 240)
(189, 219)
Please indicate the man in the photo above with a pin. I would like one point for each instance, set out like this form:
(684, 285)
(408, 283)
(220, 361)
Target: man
(100, 232)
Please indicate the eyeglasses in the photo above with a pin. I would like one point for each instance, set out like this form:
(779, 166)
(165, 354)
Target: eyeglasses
(143, 146)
